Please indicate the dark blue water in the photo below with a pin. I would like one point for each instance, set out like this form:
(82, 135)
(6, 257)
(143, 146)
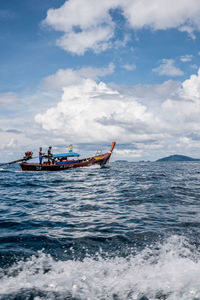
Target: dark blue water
(126, 231)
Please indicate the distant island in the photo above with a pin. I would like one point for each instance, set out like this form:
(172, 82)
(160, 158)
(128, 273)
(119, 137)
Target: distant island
(177, 157)
(121, 160)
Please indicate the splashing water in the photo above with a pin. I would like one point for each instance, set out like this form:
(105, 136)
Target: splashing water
(170, 270)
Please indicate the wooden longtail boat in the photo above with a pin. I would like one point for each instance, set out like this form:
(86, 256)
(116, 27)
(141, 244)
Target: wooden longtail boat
(61, 162)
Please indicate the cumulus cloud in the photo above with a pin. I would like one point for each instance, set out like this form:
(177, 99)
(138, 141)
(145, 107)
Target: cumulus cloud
(164, 14)
(145, 120)
(91, 112)
(88, 24)
(168, 68)
(96, 38)
(94, 112)
(191, 87)
(69, 76)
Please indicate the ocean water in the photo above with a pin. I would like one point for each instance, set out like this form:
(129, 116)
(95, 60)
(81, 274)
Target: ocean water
(126, 231)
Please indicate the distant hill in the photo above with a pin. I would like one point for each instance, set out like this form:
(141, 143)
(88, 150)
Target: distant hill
(121, 160)
(177, 157)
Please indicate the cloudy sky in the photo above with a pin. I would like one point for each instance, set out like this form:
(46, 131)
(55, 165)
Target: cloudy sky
(88, 72)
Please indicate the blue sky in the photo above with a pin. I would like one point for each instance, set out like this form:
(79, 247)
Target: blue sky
(87, 73)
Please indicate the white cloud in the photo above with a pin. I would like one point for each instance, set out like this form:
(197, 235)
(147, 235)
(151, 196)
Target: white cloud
(155, 118)
(69, 76)
(88, 24)
(8, 99)
(163, 14)
(186, 58)
(18, 131)
(189, 143)
(191, 87)
(129, 67)
(168, 68)
(128, 153)
(189, 29)
(81, 13)
(194, 66)
(96, 38)
(91, 112)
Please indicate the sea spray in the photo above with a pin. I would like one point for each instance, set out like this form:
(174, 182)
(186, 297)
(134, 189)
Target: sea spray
(168, 270)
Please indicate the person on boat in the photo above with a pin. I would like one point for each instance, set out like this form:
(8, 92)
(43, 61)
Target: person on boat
(40, 155)
(49, 155)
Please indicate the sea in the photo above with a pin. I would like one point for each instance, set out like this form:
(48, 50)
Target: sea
(130, 230)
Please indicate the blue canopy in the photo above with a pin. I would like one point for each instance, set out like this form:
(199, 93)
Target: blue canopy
(68, 154)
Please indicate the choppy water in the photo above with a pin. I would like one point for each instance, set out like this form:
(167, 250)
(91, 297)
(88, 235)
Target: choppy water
(127, 231)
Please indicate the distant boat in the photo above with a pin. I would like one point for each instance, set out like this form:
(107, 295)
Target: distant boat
(64, 161)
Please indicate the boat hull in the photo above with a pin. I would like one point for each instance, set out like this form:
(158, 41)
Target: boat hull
(100, 160)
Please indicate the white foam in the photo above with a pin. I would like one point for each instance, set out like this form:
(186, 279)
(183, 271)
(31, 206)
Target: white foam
(171, 269)
(93, 167)
(9, 170)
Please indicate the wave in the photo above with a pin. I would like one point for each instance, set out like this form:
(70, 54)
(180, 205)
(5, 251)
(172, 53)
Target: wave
(168, 270)
(5, 170)
(10, 170)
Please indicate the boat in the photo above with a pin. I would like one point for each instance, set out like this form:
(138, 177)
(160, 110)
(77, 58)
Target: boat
(69, 160)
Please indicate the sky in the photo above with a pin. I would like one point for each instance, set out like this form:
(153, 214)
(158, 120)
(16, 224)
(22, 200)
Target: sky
(89, 72)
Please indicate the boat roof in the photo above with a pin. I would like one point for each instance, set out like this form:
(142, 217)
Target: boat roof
(68, 154)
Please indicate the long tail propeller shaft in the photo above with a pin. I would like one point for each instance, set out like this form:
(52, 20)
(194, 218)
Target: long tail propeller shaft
(27, 156)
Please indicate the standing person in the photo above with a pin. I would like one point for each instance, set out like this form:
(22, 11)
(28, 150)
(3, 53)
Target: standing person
(49, 155)
(40, 155)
